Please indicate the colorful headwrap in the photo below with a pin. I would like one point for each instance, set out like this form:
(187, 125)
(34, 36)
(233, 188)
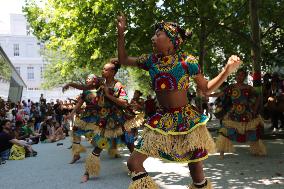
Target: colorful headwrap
(96, 80)
(173, 31)
(92, 77)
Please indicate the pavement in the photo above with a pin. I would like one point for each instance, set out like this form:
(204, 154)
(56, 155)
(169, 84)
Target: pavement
(240, 170)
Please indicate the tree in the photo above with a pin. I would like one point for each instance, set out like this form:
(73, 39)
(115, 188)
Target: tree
(85, 31)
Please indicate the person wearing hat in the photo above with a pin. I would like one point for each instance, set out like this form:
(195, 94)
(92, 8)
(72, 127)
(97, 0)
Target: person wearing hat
(177, 132)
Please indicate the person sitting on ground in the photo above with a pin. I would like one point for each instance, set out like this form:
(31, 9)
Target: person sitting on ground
(58, 133)
(46, 131)
(27, 131)
(7, 140)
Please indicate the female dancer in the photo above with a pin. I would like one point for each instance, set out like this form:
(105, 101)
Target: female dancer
(178, 132)
(242, 123)
(107, 117)
(137, 102)
(85, 114)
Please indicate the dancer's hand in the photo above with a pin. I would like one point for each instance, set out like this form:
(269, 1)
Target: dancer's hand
(121, 24)
(65, 87)
(233, 63)
(114, 60)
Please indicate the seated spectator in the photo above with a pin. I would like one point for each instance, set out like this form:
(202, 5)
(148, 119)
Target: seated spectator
(47, 131)
(66, 125)
(7, 140)
(18, 132)
(29, 133)
(58, 133)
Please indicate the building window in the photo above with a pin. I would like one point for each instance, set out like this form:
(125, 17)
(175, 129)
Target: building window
(41, 72)
(16, 50)
(30, 73)
(28, 30)
(18, 69)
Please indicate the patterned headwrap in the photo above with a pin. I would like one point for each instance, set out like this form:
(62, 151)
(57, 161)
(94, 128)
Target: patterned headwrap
(176, 34)
(92, 77)
(96, 80)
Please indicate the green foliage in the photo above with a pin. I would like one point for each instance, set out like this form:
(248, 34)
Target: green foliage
(84, 32)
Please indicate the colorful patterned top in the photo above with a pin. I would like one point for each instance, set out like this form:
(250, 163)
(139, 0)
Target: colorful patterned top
(242, 101)
(170, 72)
(102, 111)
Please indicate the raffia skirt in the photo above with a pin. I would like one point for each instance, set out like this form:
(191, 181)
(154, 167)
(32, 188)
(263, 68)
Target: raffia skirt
(177, 135)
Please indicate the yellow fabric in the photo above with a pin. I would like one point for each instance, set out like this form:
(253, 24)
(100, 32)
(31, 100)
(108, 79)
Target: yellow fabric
(17, 152)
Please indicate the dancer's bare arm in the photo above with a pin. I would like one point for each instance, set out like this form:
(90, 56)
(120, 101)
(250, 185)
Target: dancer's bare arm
(123, 58)
(78, 105)
(77, 86)
(207, 87)
(118, 101)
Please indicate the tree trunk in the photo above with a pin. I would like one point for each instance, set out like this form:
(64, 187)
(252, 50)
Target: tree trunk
(202, 41)
(255, 51)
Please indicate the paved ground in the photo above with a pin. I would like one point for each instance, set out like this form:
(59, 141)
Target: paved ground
(50, 170)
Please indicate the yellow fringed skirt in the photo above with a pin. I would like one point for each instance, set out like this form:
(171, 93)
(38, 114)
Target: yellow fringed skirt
(242, 131)
(178, 135)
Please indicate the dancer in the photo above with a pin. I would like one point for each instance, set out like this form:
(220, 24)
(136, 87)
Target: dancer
(137, 102)
(177, 132)
(107, 119)
(242, 123)
(85, 114)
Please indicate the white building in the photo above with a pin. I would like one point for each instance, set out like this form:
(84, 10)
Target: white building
(23, 50)
(11, 83)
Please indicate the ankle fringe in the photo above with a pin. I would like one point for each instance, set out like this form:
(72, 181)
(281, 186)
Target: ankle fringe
(93, 165)
(77, 149)
(258, 148)
(113, 153)
(144, 183)
(223, 144)
(208, 186)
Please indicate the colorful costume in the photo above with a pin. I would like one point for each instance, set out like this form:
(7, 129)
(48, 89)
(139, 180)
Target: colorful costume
(240, 124)
(181, 132)
(106, 120)
(175, 134)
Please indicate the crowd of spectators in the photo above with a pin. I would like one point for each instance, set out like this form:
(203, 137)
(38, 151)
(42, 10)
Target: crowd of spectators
(26, 123)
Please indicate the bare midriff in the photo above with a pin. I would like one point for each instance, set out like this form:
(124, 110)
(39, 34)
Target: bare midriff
(172, 99)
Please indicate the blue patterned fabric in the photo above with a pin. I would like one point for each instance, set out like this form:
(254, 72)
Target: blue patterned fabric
(170, 72)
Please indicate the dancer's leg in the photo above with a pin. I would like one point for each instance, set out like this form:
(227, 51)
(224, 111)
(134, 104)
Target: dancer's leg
(92, 166)
(140, 177)
(197, 175)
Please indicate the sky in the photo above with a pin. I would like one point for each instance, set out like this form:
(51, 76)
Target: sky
(6, 8)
